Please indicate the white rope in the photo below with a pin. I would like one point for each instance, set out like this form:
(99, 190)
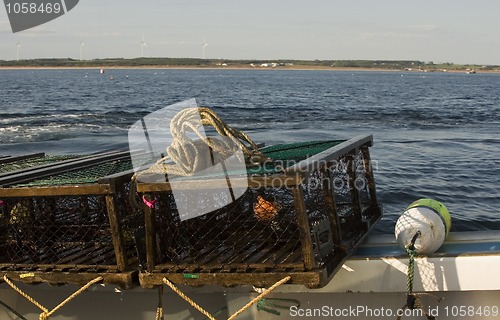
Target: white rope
(184, 155)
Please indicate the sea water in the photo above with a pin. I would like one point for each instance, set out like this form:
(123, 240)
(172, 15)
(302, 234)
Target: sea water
(436, 135)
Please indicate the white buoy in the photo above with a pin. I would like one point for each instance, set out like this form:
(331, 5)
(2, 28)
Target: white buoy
(428, 216)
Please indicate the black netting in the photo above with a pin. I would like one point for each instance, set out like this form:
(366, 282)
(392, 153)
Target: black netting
(56, 230)
(261, 230)
(229, 236)
(77, 227)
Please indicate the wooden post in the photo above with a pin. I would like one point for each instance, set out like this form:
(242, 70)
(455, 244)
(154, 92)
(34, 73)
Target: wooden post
(115, 226)
(149, 224)
(370, 177)
(303, 226)
(351, 171)
(331, 206)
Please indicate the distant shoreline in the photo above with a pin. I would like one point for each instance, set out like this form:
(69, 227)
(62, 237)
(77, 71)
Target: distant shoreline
(295, 67)
(279, 64)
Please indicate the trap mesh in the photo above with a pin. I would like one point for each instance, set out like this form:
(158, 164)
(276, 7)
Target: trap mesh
(71, 229)
(10, 166)
(286, 155)
(56, 230)
(269, 228)
(82, 176)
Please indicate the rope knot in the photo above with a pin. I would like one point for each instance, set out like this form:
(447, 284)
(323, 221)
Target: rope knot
(44, 316)
(192, 151)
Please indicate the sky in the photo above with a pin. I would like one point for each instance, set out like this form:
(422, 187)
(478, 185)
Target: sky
(455, 31)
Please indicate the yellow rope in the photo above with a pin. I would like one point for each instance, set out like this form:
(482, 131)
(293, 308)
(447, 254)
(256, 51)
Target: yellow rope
(237, 313)
(45, 312)
(191, 302)
(30, 299)
(259, 297)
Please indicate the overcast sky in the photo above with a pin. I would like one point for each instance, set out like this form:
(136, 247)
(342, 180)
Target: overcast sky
(456, 31)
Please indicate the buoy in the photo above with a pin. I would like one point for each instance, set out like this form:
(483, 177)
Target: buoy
(428, 216)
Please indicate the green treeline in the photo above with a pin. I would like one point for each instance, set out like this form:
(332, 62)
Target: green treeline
(195, 62)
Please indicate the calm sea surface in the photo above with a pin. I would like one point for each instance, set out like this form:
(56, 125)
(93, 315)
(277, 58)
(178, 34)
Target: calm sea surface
(435, 134)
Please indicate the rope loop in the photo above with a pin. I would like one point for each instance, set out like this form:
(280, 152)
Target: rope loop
(45, 315)
(183, 155)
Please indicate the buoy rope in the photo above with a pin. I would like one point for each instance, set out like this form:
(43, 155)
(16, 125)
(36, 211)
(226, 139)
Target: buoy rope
(410, 250)
(237, 313)
(46, 313)
(413, 300)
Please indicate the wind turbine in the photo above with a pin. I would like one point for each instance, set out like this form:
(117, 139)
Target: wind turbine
(81, 50)
(18, 46)
(203, 46)
(143, 44)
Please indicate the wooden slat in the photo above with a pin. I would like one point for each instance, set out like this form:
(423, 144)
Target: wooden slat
(196, 257)
(245, 254)
(88, 254)
(150, 228)
(9, 159)
(116, 232)
(351, 171)
(304, 228)
(331, 206)
(74, 190)
(311, 279)
(256, 257)
(367, 163)
(126, 280)
(274, 181)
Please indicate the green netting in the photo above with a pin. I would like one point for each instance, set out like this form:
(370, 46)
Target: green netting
(283, 156)
(286, 155)
(82, 176)
(34, 162)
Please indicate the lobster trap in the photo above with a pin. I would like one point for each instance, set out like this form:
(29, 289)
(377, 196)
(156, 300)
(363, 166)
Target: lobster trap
(302, 214)
(66, 219)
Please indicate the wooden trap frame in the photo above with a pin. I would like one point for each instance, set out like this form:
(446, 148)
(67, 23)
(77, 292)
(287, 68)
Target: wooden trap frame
(303, 221)
(67, 220)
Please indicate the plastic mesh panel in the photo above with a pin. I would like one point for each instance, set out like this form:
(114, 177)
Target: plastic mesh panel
(82, 176)
(286, 155)
(34, 162)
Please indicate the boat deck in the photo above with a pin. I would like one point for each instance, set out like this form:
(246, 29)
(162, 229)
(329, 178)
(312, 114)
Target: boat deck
(372, 280)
